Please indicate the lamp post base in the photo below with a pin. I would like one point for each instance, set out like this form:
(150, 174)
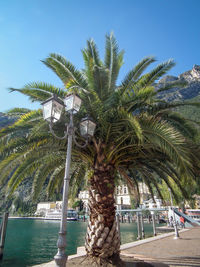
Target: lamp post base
(60, 260)
(61, 257)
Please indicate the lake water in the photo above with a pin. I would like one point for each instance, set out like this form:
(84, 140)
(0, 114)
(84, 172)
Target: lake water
(30, 242)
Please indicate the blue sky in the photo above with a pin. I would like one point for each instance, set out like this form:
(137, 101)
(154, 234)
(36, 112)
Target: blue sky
(31, 29)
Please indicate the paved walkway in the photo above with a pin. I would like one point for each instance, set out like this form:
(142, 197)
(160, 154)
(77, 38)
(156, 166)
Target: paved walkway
(161, 250)
(180, 252)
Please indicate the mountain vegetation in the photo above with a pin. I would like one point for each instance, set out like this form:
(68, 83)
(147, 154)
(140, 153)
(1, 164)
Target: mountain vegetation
(138, 134)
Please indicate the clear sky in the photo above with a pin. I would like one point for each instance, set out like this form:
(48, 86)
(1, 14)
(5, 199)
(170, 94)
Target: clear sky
(31, 29)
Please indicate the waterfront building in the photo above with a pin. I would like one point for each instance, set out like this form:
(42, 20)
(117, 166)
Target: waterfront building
(151, 204)
(123, 197)
(44, 207)
(52, 211)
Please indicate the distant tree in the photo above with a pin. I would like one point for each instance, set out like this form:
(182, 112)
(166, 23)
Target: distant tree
(78, 204)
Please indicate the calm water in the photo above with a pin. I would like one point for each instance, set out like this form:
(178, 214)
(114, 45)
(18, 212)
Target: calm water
(31, 242)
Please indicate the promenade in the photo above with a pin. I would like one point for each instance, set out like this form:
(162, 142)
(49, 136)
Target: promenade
(184, 251)
(159, 251)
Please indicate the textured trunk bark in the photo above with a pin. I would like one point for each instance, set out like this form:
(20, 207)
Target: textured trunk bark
(102, 238)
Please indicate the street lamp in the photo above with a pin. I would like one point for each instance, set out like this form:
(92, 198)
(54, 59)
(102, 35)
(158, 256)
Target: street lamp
(176, 236)
(52, 109)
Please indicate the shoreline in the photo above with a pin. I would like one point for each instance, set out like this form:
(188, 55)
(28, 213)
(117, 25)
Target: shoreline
(37, 218)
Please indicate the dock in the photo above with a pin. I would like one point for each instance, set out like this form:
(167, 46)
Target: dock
(159, 251)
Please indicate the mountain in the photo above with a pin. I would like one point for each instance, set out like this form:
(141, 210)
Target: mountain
(188, 92)
(5, 120)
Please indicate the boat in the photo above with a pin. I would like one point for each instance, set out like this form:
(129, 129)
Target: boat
(72, 215)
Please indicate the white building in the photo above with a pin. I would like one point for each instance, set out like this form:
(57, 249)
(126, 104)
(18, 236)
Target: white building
(150, 204)
(122, 196)
(44, 207)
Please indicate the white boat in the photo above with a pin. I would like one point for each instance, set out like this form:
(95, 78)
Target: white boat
(72, 215)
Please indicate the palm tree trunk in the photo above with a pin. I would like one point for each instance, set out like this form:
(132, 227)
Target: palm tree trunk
(102, 238)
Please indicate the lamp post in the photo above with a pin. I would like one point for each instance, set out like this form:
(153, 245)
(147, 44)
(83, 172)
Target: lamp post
(176, 236)
(52, 109)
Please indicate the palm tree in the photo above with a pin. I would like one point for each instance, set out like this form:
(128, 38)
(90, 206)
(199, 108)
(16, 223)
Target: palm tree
(137, 134)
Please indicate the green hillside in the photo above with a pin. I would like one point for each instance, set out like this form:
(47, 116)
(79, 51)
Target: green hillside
(191, 112)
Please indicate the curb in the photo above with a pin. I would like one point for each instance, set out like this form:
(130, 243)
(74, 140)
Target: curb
(147, 240)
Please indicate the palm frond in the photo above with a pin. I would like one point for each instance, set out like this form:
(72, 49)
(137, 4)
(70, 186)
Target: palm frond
(34, 94)
(149, 78)
(64, 69)
(134, 74)
(93, 53)
(168, 140)
(113, 60)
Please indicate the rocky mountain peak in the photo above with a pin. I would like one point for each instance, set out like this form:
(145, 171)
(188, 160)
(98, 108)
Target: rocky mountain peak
(192, 75)
(191, 90)
(167, 79)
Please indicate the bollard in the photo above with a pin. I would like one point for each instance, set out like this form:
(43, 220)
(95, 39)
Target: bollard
(158, 219)
(154, 223)
(138, 226)
(118, 226)
(142, 226)
(3, 233)
(176, 236)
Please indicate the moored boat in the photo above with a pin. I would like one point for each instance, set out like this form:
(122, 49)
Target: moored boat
(72, 215)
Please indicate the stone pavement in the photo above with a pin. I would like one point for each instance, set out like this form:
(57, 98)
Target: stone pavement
(180, 252)
(159, 251)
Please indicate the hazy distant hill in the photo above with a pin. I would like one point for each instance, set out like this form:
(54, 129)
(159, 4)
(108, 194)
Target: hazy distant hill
(5, 120)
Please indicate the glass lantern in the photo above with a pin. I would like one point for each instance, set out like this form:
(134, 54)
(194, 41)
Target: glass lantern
(52, 109)
(87, 127)
(72, 103)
